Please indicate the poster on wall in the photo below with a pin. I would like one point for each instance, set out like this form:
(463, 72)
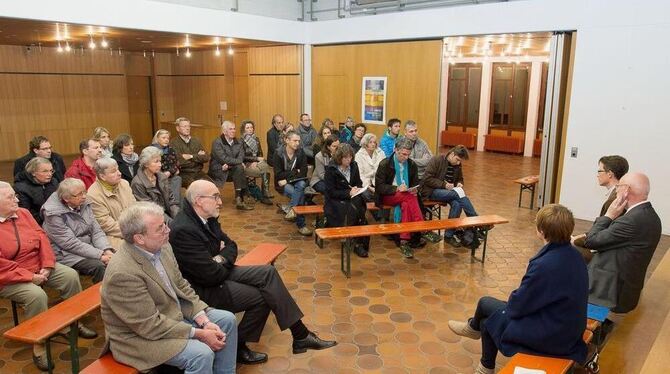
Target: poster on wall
(373, 109)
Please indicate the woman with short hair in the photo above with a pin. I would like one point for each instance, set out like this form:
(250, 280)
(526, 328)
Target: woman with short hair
(104, 137)
(34, 185)
(109, 195)
(546, 315)
(169, 161)
(322, 159)
(255, 165)
(368, 159)
(125, 156)
(150, 184)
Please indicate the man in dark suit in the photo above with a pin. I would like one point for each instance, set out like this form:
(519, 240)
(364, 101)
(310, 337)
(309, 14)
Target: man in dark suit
(624, 244)
(40, 146)
(206, 257)
(610, 170)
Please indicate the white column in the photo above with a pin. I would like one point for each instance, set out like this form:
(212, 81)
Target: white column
(484, 103)
(307, 78)
(533, 106)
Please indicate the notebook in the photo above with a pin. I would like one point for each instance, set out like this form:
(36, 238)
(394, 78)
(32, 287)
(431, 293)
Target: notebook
(597, 312)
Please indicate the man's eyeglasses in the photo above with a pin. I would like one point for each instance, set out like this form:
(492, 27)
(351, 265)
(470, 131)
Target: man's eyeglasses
(216, 197)
(602, 171)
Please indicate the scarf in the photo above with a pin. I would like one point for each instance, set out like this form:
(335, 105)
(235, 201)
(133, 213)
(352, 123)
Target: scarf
(401, 177)
(131, 160)
(163, 149)
(106, 185)
(250, 141)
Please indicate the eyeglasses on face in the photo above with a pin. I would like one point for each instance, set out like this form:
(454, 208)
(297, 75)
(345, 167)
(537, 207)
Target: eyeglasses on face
(216, 197)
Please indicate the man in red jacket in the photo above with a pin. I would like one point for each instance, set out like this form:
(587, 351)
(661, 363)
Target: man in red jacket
(82, 167)
(27, 262)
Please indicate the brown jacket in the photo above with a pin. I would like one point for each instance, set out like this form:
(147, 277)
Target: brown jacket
(144, 324)
(107, 207)
(434, 176)
(194, 165)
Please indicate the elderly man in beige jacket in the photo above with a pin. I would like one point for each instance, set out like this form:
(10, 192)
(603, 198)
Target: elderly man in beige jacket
(151, 314)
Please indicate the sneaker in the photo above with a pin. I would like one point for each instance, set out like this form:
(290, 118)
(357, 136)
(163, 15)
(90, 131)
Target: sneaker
(290, 216)
(310, 191)
(305, 231)
(417, 243)
(265, 201)
(464, 329)
(483, 370)
(432, 237)
(360, 251)
(452, 241)
(406, 250)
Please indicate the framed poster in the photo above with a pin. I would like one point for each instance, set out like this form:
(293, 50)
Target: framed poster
(373, 108)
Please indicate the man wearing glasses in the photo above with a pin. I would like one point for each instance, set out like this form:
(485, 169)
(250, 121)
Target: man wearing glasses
(40, 146)
(206, 257)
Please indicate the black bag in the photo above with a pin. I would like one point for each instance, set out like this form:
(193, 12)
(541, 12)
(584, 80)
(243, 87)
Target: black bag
(469, 238)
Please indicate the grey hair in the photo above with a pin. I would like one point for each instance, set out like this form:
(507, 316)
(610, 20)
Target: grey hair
(226, 125)
(149, 153)
(367, 138)
(4, 185)
(68, 185)
(181, 119)
(131, 221)
(410, 124)
(158, 134)
(102, 164)
(32, 165)
(404, 143)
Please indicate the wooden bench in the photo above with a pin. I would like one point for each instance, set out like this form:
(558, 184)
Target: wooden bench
(451, 138)
(527, 184)
(348, 233)
(550, 365)
(503, 143)
(42, 327)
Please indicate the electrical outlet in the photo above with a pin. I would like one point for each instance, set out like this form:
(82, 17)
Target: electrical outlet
(573, 152)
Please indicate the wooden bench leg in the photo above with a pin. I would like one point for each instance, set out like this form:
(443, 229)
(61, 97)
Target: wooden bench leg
(74, 349)
(532, 195)
(15, 313)
(49, 360)
(346, 257)
(520, 192)
(486, 237)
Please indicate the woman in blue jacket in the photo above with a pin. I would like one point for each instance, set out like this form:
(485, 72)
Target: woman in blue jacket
(546, 315)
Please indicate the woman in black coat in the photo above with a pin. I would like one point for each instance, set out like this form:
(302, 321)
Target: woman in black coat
(125, 156)
(34, 185)
(344, 205)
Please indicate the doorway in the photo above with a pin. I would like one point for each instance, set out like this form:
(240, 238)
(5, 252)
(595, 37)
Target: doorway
(140, 110)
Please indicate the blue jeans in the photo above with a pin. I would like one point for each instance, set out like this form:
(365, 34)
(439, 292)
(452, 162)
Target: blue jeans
(457, 205)
(296, 192)
(320, 187)
(197, 357)
(485, 308)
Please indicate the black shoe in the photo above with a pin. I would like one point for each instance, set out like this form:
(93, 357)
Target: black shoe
(266, 201)
(311, 342)
(361, 252)
(417, 243)
(452, 241)
(246, 356)
(42, 363)
(86, 333)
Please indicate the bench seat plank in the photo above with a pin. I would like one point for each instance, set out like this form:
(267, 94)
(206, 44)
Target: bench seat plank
(107, 365)
(262, 254)
(549, 364)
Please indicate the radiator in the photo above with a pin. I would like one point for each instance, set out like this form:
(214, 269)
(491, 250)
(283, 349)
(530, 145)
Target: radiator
(537, 147)
(505, 144)
(456, 138)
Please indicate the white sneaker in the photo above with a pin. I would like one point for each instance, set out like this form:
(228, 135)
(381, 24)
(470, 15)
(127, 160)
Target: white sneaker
(464, 329)
(482, 370)
(290, 216)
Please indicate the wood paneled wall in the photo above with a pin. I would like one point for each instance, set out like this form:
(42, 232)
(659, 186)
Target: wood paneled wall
(60, 96)
(413, 71)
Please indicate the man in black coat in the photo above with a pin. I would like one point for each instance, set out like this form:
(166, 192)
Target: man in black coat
(206, 258)
(274, 136)
(624, 245)
(40, 146)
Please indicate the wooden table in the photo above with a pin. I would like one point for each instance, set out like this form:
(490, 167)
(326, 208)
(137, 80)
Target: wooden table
(527, 184)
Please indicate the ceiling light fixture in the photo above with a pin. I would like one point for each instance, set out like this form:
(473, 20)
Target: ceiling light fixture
(67, 46)
(104, 43)
(230, 50)
(177, 51)
(188, 41)
(188, 53)
(91, 43)
(60, 48)
(217, 52)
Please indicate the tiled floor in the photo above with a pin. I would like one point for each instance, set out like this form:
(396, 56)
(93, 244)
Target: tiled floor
(390, 317)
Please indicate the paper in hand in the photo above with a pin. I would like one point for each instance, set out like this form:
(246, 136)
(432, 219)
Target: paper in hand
(459, 191)
(522, 370)
(360, 191)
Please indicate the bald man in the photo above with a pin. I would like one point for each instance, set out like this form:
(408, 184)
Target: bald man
(206, 258)
(624, 244)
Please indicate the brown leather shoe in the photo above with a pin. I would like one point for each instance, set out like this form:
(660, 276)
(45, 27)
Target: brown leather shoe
(42, 363)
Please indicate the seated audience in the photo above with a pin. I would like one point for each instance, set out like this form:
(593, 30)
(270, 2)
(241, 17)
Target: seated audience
(344, 206)
(34, 186)
(227, 164)
(150, 184)
(443, 174)
(40, 146)
(169, 161)
(355, 140)
(290, 169)
(610, 171)
(321, 160)
(387, 143)
(331, 126)
(104, 137)
(190, 152)
(321, 137)
(347, 131)
(125, 156)
(27, 263)
(75, 235)
(307, 137)
(368, 159)
(624, 244)
(255, 165)
(396, 184)
(82, 167)
(420, 154)
(274, 136)
(109, 196)
(546, 315)
(206, 257)
(151, 314)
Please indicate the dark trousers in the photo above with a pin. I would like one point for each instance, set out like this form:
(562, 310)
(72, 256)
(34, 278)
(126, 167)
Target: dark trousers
(236, 175)
(92, 267)
(486, 307)
(188, 177)
(257, 290)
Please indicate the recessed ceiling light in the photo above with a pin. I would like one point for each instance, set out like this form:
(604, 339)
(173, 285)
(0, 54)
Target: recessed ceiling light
(145, 41)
